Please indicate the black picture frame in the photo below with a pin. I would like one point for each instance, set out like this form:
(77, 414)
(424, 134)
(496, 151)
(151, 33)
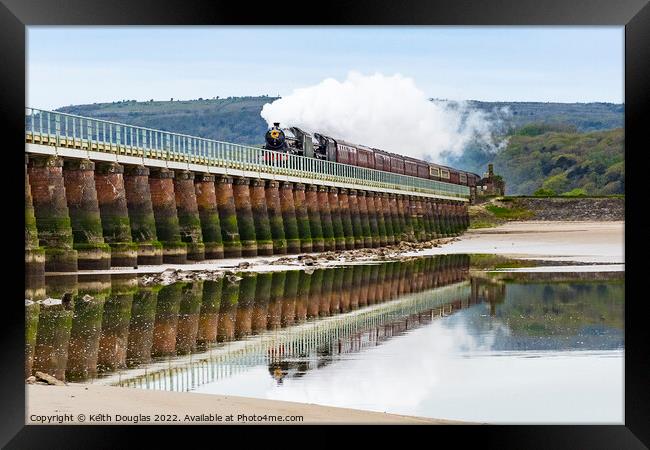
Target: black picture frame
(15, 15)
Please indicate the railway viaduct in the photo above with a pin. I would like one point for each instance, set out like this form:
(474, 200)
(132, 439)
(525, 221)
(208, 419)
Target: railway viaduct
(100, 194)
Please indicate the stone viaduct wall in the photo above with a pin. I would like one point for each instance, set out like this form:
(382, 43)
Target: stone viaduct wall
(86, 215)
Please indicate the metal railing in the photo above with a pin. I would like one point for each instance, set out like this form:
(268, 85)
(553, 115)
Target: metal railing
(68, 130)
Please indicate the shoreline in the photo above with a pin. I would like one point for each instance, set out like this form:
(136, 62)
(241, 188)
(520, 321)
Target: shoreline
(599, 242)
(579, 241)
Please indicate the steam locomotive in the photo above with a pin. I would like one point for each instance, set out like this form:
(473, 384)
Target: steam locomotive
(296, 141)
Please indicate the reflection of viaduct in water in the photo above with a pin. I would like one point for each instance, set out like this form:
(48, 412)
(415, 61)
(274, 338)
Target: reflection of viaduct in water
(115, 329)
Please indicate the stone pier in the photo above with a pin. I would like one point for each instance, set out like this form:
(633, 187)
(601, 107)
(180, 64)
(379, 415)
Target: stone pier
(451, 219)
(329, 240)
(418, 217)
(428, 234)
(346, 220)
(394, 214)
(206, 200)
(337, 223)
(314, 215)
(444, 219)
(141, 215)
(366, 232)
(289, 218)
(83, 207)
(187, 211)
(163, 200)
(111, 195)
(51, 213)
(260, 213)
(373, 219)
(381, 221)
(232, 247)
(388, 219)
(274, 209)
(302, 218)
(431, 218)
(355, 216)
(408, 218)
(437, 224)
(34, 254)
(245, 223)
(399, 202)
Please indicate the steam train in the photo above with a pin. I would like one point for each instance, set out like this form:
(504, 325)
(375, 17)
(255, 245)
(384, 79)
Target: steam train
(296, 141)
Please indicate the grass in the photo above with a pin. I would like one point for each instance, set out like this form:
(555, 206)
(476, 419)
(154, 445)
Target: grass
(511, 198)
(475, 224)
(509, 213)
(490, 215)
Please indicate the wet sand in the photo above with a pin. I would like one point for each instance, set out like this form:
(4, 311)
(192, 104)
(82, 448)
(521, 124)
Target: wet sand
(76, 399)
(594, 242)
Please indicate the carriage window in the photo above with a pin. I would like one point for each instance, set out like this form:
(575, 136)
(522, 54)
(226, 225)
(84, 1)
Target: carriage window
(444, 173)
(463, 178)
(434, 171)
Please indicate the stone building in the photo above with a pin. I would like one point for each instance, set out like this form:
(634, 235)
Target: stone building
(491, 184)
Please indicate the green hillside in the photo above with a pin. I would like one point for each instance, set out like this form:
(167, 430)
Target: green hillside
(582, 116)
(559, 160)
(558, 146)
(565, 161)
(232, 119)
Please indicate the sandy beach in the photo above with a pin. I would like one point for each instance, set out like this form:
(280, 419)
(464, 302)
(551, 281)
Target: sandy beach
(585, 242)
(590, 242)
(101, 405)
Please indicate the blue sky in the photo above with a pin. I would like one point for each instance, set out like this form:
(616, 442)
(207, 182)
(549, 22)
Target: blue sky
(71, 65)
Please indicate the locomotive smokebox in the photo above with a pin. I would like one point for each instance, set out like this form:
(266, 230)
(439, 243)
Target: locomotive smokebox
(275, 138)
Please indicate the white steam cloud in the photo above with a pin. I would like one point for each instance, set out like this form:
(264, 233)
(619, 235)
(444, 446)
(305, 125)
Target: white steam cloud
(386, 112)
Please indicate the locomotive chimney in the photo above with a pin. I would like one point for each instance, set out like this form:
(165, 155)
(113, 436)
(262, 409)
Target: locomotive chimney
(276, 124)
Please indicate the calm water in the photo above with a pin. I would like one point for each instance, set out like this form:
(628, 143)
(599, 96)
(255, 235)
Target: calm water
(423, 337)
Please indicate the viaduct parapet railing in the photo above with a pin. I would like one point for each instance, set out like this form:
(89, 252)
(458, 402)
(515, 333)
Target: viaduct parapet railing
(86, 136)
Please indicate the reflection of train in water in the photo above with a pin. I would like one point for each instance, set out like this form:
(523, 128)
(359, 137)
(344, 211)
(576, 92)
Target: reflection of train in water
(297, 366)
(293, 140)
